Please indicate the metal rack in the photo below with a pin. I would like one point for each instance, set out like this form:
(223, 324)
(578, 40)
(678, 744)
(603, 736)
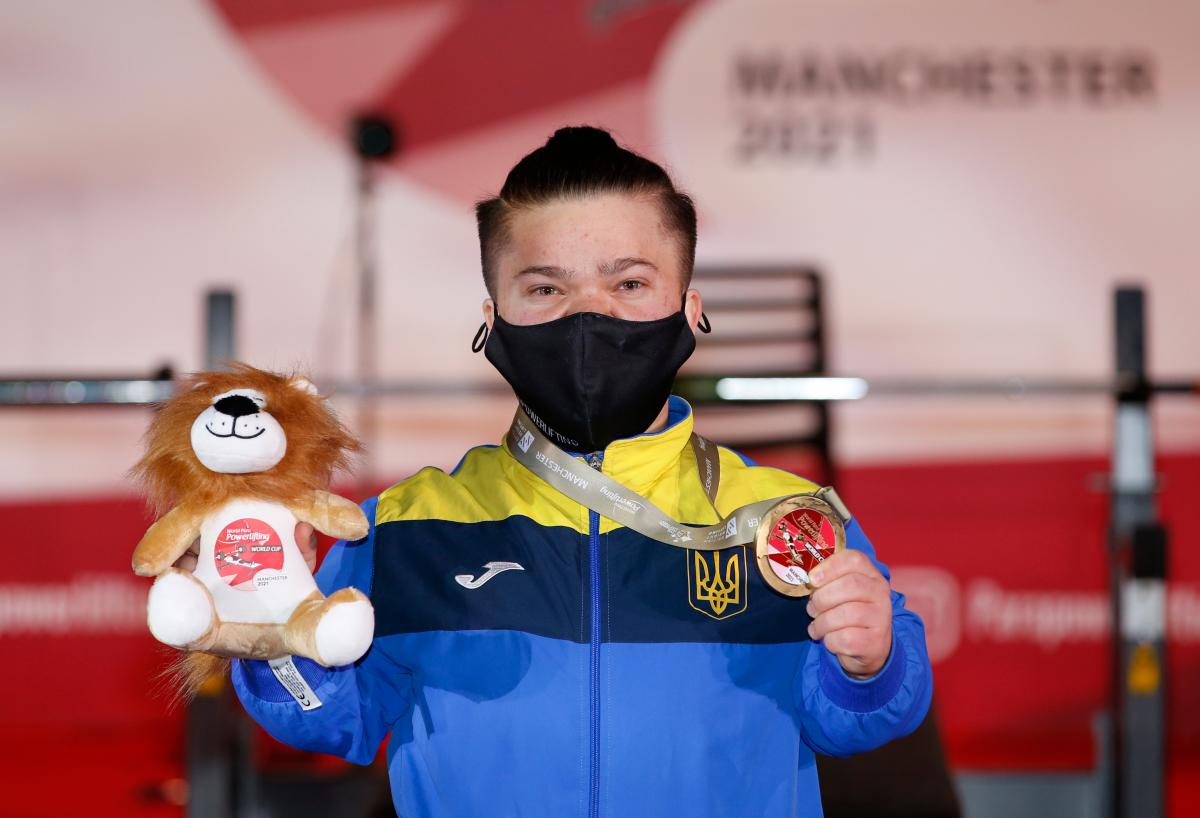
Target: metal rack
(769, 323)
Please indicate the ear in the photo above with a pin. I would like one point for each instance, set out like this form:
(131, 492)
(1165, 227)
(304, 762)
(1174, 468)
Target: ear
(195, 380)
(693, 307)
(489, 313)
(304, 385)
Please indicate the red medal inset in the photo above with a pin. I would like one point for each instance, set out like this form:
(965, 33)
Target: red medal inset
(794, 538)
(798, 542)
(245, 547)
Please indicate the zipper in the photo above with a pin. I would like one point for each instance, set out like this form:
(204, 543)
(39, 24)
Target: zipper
(595, 460)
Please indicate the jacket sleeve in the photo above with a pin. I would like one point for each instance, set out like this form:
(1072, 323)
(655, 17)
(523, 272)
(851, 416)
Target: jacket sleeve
(359, 702)
(841, 715)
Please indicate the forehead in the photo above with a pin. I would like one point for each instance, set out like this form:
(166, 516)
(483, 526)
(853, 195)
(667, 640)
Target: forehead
(583, 232)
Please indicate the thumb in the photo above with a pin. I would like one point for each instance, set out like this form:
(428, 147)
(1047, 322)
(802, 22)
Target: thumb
(306, 540)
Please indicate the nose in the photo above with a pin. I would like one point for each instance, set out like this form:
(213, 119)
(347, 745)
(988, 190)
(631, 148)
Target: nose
(236, 406)
(591, 301)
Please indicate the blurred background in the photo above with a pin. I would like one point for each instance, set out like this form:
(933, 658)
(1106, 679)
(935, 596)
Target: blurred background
(938, 198)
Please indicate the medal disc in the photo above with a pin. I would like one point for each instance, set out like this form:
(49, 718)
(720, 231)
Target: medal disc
(795, 537)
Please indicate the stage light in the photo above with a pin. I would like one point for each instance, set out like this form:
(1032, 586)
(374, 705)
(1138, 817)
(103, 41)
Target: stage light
(815, 388)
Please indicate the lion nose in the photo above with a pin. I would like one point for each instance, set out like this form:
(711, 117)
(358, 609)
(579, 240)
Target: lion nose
(236, 406)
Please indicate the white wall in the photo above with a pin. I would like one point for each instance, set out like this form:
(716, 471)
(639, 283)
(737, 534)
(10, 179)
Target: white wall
(145, 157)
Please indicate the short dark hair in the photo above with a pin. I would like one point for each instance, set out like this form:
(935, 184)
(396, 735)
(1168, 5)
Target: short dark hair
(582, 161)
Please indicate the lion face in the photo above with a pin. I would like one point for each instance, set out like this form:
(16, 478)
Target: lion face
(245, 432)
(237, 434)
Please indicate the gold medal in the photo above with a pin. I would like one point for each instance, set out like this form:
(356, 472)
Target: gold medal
(793, 538)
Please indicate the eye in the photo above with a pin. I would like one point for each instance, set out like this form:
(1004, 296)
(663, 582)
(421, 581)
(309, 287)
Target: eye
(544, 290)
(632, 284)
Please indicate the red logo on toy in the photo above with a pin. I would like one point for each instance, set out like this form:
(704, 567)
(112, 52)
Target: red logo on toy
(245, 547)
(801, 539)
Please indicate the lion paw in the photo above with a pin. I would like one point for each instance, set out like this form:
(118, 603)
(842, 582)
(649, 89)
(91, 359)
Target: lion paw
(345, 632)
(179, 610)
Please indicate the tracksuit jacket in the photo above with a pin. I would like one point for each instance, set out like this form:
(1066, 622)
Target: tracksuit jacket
(609, 674)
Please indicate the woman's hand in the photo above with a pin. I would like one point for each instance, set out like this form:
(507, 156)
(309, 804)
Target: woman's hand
(851, 612)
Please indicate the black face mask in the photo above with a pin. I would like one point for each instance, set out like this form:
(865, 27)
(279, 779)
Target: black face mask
(588, 379)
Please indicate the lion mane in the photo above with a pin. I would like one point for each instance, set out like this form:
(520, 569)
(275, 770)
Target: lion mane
(317, 444)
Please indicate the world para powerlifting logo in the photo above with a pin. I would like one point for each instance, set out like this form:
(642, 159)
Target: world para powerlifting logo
(243, 549)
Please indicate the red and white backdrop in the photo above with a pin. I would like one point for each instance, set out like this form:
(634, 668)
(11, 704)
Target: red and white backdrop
(973, 178)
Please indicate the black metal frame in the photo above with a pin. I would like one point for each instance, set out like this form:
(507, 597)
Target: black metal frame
(1137, 548)
(697, 386)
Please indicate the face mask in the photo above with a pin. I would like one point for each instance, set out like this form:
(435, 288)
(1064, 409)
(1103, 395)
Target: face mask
(588, 379)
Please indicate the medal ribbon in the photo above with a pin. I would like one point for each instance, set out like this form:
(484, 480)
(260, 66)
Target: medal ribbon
(604, 495)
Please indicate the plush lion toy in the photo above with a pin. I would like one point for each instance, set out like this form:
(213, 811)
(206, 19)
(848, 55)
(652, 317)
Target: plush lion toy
(242, 456)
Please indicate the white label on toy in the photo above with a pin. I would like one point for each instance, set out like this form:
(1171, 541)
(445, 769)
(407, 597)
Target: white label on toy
(287, 674)
(250, 563)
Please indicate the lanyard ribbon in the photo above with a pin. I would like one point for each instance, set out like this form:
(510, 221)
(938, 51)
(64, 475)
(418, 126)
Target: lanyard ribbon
(599, 492)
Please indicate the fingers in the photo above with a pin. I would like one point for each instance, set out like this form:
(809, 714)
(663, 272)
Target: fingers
(846, 561)
(851, 611)
(847, 615)
(861, 651)
(306, 540)
(849, 588)
(187, 562)
(856, 635)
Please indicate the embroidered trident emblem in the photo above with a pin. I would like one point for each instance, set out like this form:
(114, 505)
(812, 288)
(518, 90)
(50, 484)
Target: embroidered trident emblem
(717, 584)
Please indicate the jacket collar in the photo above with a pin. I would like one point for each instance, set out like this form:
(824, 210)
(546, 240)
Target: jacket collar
(652, 463)
(638, 462)
(641, 461)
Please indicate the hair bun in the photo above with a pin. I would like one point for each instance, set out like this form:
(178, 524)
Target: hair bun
(581, 137)
(576, 162)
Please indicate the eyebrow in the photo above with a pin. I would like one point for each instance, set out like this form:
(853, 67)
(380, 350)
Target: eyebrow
(548, 270)
(608, 268)
(623, 264)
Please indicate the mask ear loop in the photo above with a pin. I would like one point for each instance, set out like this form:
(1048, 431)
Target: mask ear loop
(480, 339)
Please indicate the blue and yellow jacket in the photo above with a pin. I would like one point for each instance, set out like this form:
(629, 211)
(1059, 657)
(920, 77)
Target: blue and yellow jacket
(610, 675)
